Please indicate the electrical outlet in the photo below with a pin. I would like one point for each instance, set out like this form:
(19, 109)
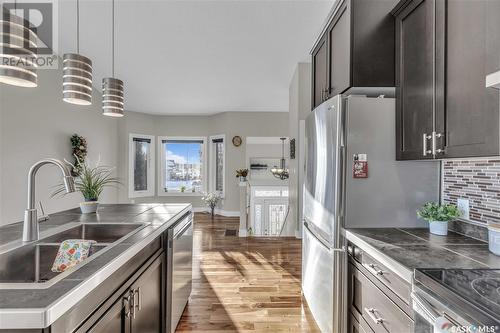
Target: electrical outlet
(463, 207)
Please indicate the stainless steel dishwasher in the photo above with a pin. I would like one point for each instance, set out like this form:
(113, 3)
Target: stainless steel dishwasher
(179, 270)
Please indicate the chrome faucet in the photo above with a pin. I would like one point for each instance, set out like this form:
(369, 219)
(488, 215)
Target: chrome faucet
(30, 226)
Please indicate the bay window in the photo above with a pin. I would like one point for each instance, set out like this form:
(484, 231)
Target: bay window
(183, 166)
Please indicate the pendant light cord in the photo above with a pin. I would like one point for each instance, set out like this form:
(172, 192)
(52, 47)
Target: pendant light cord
(113, 38)
(78, 26)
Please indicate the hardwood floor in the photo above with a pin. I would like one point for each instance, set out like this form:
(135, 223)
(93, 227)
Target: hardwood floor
(244, 284)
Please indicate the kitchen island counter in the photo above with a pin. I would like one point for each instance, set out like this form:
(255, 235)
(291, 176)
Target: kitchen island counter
(38, 306)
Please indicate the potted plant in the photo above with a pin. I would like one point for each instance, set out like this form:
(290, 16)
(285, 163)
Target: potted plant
(242, 174)
(211, 200)
(90, 182)
(438, 216)
(183, 188)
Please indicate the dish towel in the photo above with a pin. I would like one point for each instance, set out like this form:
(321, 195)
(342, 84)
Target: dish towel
(71, 252)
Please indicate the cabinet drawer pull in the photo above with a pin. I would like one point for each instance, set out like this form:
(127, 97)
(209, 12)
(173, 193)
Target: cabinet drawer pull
(374, 270)
(132, 303)
(371, 313)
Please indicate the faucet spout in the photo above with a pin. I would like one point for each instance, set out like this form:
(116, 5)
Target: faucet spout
(30, 226)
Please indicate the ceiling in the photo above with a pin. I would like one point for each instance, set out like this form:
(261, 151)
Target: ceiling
(196, 57)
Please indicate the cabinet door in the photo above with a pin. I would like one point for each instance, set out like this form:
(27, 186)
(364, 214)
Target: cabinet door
(115, 320)
(319, 72)
(415, 88)
(340, 51)
(469, 111)
(147, 300)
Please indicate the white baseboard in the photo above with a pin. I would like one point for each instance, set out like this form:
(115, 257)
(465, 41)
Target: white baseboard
(298, 234)
(222, 212)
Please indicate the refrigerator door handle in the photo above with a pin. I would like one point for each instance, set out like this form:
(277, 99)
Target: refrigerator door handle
(321, 241)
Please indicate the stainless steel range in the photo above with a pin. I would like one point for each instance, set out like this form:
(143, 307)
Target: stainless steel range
(457, 300)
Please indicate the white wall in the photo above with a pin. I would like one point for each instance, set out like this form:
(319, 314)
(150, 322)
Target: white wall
(299, 108)
(35, 123)
(229, 123)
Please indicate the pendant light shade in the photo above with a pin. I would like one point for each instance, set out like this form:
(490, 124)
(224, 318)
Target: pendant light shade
(112, 97)
(77, 79)
(112, 88)
(281, 172)
(17, 51)
(77, 72)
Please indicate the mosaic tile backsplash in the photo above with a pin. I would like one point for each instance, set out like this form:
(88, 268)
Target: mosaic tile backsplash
(477, 180)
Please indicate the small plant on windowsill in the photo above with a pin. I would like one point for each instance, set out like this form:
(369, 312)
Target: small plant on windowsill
(183, 188)
(438, 216)
(211, 200)
(242, 174)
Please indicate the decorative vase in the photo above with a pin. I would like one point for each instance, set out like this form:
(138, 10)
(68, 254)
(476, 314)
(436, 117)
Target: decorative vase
(494, 239)
(89, 207)
(438, 228)
(243, 179)
(212, 211)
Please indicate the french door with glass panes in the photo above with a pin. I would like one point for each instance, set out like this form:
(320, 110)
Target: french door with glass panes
(269, 216)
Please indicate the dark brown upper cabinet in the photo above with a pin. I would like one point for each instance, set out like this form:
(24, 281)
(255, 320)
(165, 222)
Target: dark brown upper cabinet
(444, 50)
(355, 53)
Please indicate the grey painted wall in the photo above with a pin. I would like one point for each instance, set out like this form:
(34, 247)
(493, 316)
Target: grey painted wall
(299, 108)
(35, 123)
(229, 123)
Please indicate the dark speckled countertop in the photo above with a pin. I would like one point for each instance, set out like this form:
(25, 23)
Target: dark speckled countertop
(407, 249)
(40, 307)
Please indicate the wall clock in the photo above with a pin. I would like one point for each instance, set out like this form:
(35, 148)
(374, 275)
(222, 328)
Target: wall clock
(237, 141)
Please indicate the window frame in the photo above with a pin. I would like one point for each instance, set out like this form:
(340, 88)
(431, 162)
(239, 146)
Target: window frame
(212, 166)
(151, 182)
(162, 166)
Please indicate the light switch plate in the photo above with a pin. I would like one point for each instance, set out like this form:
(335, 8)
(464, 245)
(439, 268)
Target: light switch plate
(463, 207)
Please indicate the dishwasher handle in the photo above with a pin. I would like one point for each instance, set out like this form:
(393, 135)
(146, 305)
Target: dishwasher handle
(185, 228)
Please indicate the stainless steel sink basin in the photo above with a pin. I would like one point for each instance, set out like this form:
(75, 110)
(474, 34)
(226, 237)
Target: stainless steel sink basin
(101, 233)
(29, 265)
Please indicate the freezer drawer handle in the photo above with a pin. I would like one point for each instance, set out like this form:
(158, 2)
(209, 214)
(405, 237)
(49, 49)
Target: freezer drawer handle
(374, 270)
(371, 314)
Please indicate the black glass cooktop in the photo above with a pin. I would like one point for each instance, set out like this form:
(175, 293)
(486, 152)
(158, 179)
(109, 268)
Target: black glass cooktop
(477, 287)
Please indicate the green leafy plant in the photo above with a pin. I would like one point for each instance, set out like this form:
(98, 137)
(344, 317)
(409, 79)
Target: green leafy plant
(183, 188)
(432, 211)
(79, 147)
(91, 181)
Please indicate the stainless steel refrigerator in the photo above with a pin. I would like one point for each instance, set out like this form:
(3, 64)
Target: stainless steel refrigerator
(341, 132)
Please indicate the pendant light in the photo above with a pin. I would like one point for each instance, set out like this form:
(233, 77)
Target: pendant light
(112, 88)
(77, 72)
(18, 45)
(282, 171)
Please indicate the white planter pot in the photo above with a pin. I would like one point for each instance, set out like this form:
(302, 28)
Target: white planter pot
(494, 240)
(438, 227)
(89, 207)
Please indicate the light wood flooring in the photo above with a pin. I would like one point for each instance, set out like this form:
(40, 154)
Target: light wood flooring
(247, 285)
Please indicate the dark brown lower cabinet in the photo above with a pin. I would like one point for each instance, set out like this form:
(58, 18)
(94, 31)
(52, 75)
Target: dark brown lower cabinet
(369, 304)
(140, 308)
(357, 327)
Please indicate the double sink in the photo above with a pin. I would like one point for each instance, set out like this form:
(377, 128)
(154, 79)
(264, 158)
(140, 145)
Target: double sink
(29, 265)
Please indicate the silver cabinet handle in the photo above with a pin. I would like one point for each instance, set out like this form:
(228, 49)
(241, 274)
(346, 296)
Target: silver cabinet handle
(132, 301)
(137, 303)
(374, 270)
(126, 305)
(426, 137)
(371, 313)
(436, 151)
